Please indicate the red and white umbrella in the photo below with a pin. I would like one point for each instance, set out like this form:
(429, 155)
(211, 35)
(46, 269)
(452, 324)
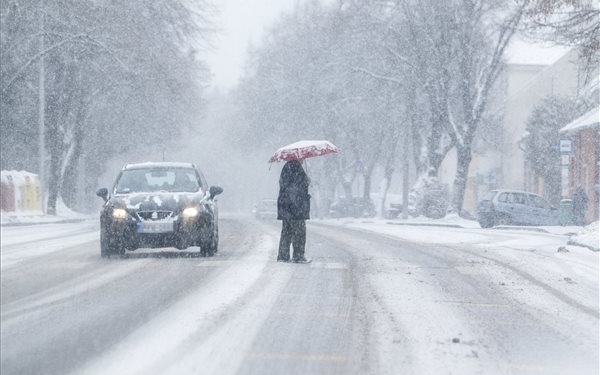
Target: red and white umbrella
(302, 150)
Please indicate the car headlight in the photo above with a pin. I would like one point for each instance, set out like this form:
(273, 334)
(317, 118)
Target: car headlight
(190, 212)
(119, 213)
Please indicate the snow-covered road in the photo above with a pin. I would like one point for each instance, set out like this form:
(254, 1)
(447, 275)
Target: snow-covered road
(377, 299)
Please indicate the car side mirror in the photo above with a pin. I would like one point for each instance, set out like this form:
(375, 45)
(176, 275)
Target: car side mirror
(214, 190)
(102, 193)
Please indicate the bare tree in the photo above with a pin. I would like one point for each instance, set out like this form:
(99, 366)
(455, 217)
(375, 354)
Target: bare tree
(483, 30)
(117, 75)
(567, 22)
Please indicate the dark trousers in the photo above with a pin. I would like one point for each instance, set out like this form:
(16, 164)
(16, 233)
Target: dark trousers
(292, 232)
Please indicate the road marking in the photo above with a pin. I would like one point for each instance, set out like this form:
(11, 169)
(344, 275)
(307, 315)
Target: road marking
(475, 304)
(300, 357)
(314, 314)
(471, 270)
(330, 266)
(316, 296)
(217, 263)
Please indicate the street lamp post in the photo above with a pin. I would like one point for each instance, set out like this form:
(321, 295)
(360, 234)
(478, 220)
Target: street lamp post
(42, 110)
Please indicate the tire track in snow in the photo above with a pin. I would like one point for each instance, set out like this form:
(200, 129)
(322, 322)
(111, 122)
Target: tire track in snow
(194, 323)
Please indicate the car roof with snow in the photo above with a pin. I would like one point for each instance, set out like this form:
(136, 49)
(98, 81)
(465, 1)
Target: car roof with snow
(514, 191)
(163, 164)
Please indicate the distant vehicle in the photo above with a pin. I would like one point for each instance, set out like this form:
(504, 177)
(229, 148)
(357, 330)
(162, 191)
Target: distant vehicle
(352, 207)
(266, 209)
(393, 211)
(505, 207)
(159, 205)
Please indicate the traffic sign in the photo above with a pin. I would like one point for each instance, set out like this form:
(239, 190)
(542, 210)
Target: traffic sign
(565, 145)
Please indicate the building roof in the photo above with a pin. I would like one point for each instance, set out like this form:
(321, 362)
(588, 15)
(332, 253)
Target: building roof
(525, 52)
(588, 120)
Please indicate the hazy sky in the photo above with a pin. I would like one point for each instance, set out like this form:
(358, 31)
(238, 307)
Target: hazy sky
(242, 22)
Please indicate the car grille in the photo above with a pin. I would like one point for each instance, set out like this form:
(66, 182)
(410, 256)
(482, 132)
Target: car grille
(154, 215)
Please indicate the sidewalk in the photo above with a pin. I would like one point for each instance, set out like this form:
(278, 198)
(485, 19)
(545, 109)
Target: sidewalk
(38, 220)
(64, 215)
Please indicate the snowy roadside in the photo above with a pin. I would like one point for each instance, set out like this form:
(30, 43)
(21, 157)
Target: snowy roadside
(20, 243)
(63, 215)
(27, 235)
(587, 237)
(547, 255)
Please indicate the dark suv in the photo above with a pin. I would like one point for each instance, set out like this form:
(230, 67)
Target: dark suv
(159, 205)
(504, 207)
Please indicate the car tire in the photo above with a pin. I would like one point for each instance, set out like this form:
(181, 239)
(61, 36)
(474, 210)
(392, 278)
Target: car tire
(105, 249)
(502, 220)
(215, 242)
(206, 248)
(486, 222)
(108, 246)
(209, 243)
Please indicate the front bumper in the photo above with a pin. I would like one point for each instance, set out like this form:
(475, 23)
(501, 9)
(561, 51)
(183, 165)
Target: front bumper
(185, 233)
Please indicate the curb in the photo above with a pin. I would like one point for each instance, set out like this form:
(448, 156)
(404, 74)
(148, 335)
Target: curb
(575, 243)
(532, 229)
(23, 224)
(426, 225)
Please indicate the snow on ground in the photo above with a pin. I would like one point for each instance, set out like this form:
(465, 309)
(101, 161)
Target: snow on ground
(544, 252)
(588, 237)
(24, 242)
(170, 339)
(528, 264)
(538, 269)
(63, 214)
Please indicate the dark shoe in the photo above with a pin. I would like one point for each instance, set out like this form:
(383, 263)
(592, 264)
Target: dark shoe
(301, 260)
(283, 260)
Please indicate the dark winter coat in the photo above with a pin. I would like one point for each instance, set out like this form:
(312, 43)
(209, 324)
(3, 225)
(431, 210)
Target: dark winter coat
(293, 202)
(580, 200)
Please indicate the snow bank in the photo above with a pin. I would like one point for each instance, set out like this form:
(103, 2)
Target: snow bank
(63, 214)
(22, 201)
(588, 237)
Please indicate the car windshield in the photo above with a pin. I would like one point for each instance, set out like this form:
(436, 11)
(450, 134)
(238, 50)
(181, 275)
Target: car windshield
(489, 195)
(157, 179)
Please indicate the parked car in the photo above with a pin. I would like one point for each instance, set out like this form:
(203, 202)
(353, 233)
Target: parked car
(266, 209)
(352, 207)
(505, 207)
(393, 211)
(159, 205)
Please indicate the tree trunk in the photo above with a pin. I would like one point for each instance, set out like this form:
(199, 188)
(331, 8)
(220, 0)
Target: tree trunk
(53, 183)
(367, 184)
(68, 188)
(70, 170)
(389, 172)
(463, 160)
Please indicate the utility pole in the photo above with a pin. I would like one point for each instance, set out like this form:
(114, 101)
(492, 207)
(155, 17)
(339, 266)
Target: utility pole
(42, 114)
(405, 171)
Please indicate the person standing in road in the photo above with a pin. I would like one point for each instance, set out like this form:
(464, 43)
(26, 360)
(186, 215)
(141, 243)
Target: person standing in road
(580, 200)
(293, 208)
